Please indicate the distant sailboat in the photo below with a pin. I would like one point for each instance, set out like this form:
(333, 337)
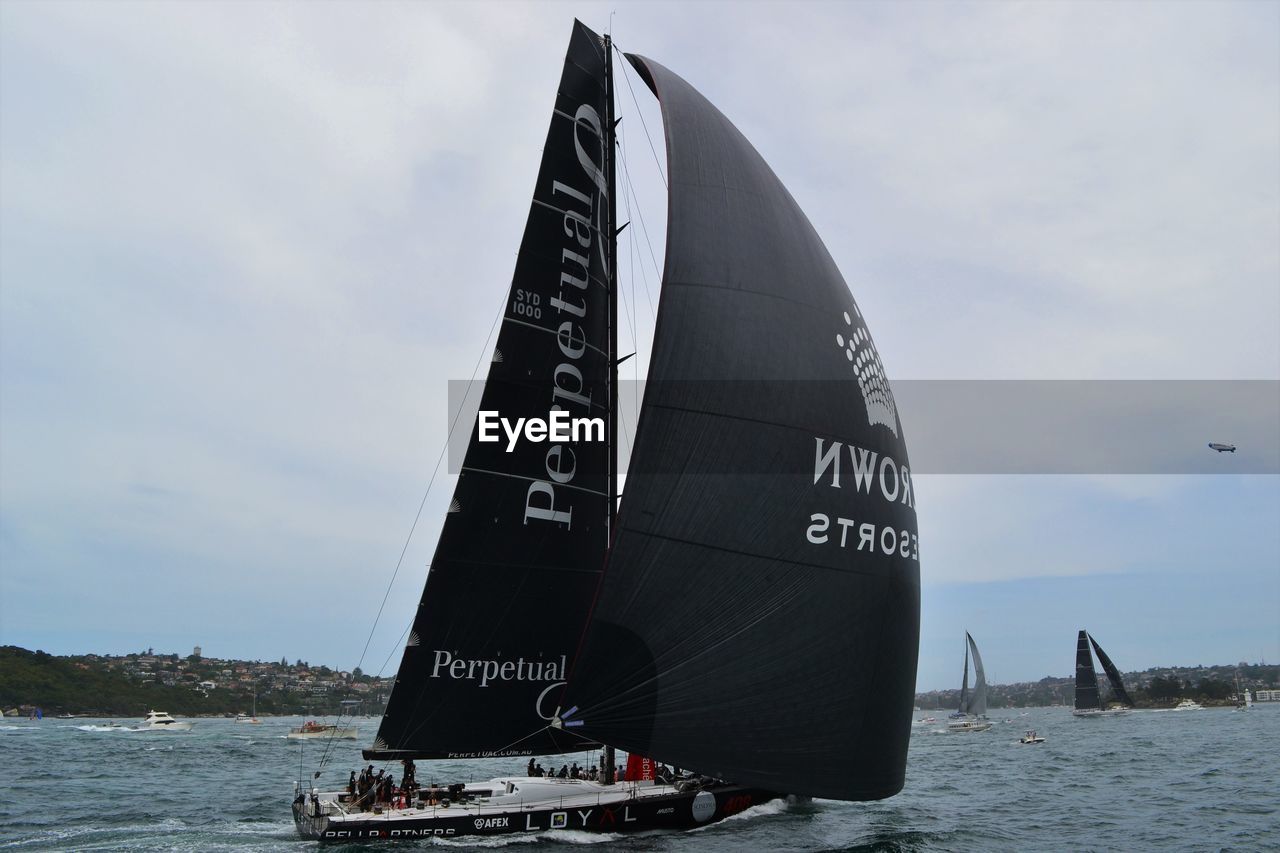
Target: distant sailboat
(972, 713)
(1244, 700)
(1088, 697)
(250, 718)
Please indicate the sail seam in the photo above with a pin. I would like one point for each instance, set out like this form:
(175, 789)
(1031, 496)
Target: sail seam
(731, 416)
(764, 293)
(531, 480)
(508, 564)
(725, 550)
(528, 325)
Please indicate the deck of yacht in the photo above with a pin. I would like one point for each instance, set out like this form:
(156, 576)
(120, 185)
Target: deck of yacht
(506, 795)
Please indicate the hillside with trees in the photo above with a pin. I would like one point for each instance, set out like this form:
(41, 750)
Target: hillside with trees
(1159, 687)
(130, 685)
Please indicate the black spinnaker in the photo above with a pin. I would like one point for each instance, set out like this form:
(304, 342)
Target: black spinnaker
(1113, 675)
(518, 559)
(758, 620)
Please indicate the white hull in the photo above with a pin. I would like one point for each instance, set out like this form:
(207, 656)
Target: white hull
(164, 727)
(969, 726)
(159, 721)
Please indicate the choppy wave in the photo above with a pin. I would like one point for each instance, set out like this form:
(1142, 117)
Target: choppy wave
(563, 836)
(93, 728)
(1151, 780)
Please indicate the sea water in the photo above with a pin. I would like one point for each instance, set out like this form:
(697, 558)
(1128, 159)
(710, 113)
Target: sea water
(1153, 780)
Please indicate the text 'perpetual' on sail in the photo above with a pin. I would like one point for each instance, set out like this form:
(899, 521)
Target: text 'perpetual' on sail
(517, 563)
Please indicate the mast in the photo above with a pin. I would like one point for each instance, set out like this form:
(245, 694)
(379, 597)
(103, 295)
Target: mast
(610, 141)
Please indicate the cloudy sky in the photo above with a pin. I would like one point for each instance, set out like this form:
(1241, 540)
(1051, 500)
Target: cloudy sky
(243, 248)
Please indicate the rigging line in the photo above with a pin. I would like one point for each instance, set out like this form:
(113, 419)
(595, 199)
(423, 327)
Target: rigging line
(400, 643)
(635, 338)
(634, 100)
(627, 198)
(631, 239)
(632, 312)
(626, 173)
(329, 741)
(444, 449)
(535, 733)
(631, 323)
(631, 266)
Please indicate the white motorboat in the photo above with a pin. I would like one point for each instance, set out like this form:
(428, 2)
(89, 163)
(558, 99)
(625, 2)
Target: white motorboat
(161, 721)
(1188, 705)
(971, 725)
(1031, 737)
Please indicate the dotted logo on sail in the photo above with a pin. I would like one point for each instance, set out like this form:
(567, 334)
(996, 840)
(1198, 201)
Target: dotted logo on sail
(872, 382)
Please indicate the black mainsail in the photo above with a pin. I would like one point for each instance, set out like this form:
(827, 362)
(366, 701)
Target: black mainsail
(518, 559)
(758, 620)
(1087, 698)
(1119, 694)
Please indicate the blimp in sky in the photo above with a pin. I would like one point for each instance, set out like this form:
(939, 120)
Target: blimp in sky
(1222, 448)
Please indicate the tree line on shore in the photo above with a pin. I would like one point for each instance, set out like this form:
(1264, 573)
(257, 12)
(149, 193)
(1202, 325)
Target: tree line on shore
(87, 685)
(1156, 688)
(84, 685)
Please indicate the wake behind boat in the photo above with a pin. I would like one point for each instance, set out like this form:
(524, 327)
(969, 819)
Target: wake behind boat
(553, 621)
